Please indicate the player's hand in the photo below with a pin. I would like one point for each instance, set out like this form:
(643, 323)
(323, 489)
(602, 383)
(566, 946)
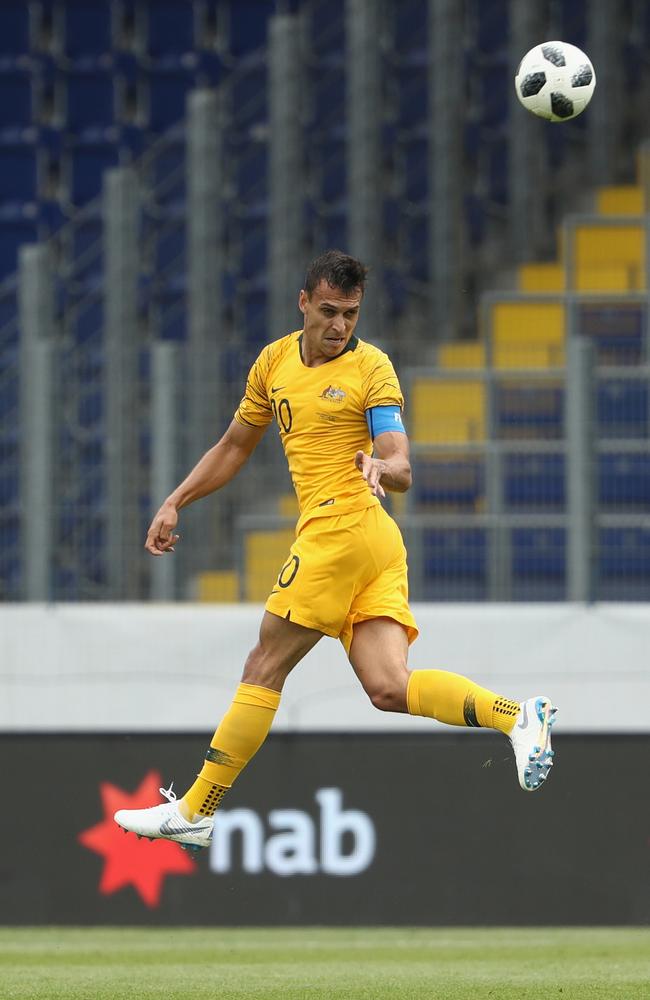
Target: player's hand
(161, 537)
(372, 469)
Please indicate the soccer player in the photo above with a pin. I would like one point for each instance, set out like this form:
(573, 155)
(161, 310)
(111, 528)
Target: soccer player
(338, 404)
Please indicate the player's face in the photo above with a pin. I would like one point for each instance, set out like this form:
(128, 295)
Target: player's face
(330, 318)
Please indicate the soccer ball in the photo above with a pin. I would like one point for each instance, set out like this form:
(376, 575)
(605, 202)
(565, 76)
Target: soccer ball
(555, 80)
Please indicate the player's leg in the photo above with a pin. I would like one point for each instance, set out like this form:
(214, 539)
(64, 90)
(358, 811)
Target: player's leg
(240, 734)
(245, 726)
(378, 654)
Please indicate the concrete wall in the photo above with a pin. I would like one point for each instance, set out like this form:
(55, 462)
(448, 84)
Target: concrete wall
(147, 668)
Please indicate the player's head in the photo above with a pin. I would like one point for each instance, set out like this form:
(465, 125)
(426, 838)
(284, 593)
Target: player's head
(338, 270)
(330, 303)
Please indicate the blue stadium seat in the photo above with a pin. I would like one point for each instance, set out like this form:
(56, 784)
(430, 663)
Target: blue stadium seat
(534, 482)
(412, 96)
(538, 563)
(87, 29)
(253, 249)
(14, 29)
(167, 177)
(170, 247)
(16, 99)
(617, 330)
(455, 563)
(167, 91)
(13, 234)
(249, 94)
(410, 31)
(19, 176)
(624, 481)
(622, 408)
(84, 166)
(247, 25)
(624, 554)
(250, 166)
(88, 320)
(451, 483)
(531, 407)
(90, 100)
(331, 171)
(413, 153)
(415, 243)
(254, 316)
(170, 29)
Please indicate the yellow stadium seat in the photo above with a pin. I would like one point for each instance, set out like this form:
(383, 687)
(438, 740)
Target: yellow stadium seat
(528, 334)
(288, 505)
(265, 553)
(622, 199)
(450, 412)
(220, 586)
(604, 279)
(542, 278)
(612, 246)
(469, 355)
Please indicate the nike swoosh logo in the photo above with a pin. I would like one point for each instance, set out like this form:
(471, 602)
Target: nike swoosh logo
(166, 829)
(522, 725)
(276, 388)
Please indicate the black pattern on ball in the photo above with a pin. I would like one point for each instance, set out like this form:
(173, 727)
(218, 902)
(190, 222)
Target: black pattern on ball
(532, 84)
(582, 76)
(561, 106)
(554, 55)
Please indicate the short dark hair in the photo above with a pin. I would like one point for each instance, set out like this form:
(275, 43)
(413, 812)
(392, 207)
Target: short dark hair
(338, 269)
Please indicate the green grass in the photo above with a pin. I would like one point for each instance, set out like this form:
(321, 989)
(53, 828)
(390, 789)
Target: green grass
(355, 963)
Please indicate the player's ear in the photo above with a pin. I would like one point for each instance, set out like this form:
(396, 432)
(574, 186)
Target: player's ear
(302, 300)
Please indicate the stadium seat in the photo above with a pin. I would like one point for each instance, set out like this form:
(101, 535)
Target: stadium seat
(250, 165)
(17, 109)
(541, 278)
(171, 308)
(538, 564)
(449, 482)
(617, 329)
(170, 30)
(624, 481)
(529, 409)
(413, 155)
(15, 29)
(454, 563)
(409, 32)
(167, 91)
(19, 176)
(170, 247)
(462, 355)
(415, 243)
(528, 334)
(533, 482)
(253, 249)
(447, 412)
(84, 168)
(88, 321)
(611, 251)
(218, 586)
(249, 94)
(247, 25)
(621, 199)
(624, 555)
(90, 100)
(265, 552)
(622, 408)
(86, 29)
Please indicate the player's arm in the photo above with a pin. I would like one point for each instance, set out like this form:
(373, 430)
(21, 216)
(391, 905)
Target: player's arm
(216, 468)
(389, 467)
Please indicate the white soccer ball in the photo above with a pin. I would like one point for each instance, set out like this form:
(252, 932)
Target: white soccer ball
(555, 80)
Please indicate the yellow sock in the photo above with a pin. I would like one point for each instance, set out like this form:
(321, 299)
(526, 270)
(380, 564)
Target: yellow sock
(456, 700)
(239, 736)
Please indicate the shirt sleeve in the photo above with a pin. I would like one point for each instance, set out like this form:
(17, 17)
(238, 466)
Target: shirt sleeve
(381, 385)
(255, 408)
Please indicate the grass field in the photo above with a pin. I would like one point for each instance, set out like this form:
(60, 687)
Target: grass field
(355, 963)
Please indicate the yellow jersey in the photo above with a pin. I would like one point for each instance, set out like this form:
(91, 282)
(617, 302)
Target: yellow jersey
(321, 417)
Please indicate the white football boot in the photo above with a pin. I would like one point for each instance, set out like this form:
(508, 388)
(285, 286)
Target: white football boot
(166, 822)
(531, 741)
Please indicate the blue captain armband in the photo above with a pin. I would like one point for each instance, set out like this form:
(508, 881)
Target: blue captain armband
(384, 418)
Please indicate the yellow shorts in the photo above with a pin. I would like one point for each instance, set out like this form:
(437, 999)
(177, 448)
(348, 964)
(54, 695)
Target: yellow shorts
(342, 570)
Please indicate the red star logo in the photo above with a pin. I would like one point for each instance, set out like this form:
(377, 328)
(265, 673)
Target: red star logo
(127, 860)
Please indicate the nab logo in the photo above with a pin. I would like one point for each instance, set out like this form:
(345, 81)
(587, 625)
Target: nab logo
(345, 844)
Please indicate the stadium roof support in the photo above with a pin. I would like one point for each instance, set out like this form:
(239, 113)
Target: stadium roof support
(580, 467)
(446, 227)
(123, 541)
(285, 263)
(363, 151)
(528, 230)
(36, 308)
(205, 264)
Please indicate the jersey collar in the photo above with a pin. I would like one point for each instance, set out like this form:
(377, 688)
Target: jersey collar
(350, 346)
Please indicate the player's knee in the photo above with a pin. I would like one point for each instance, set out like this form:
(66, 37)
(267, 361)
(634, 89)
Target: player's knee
(388, 698)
